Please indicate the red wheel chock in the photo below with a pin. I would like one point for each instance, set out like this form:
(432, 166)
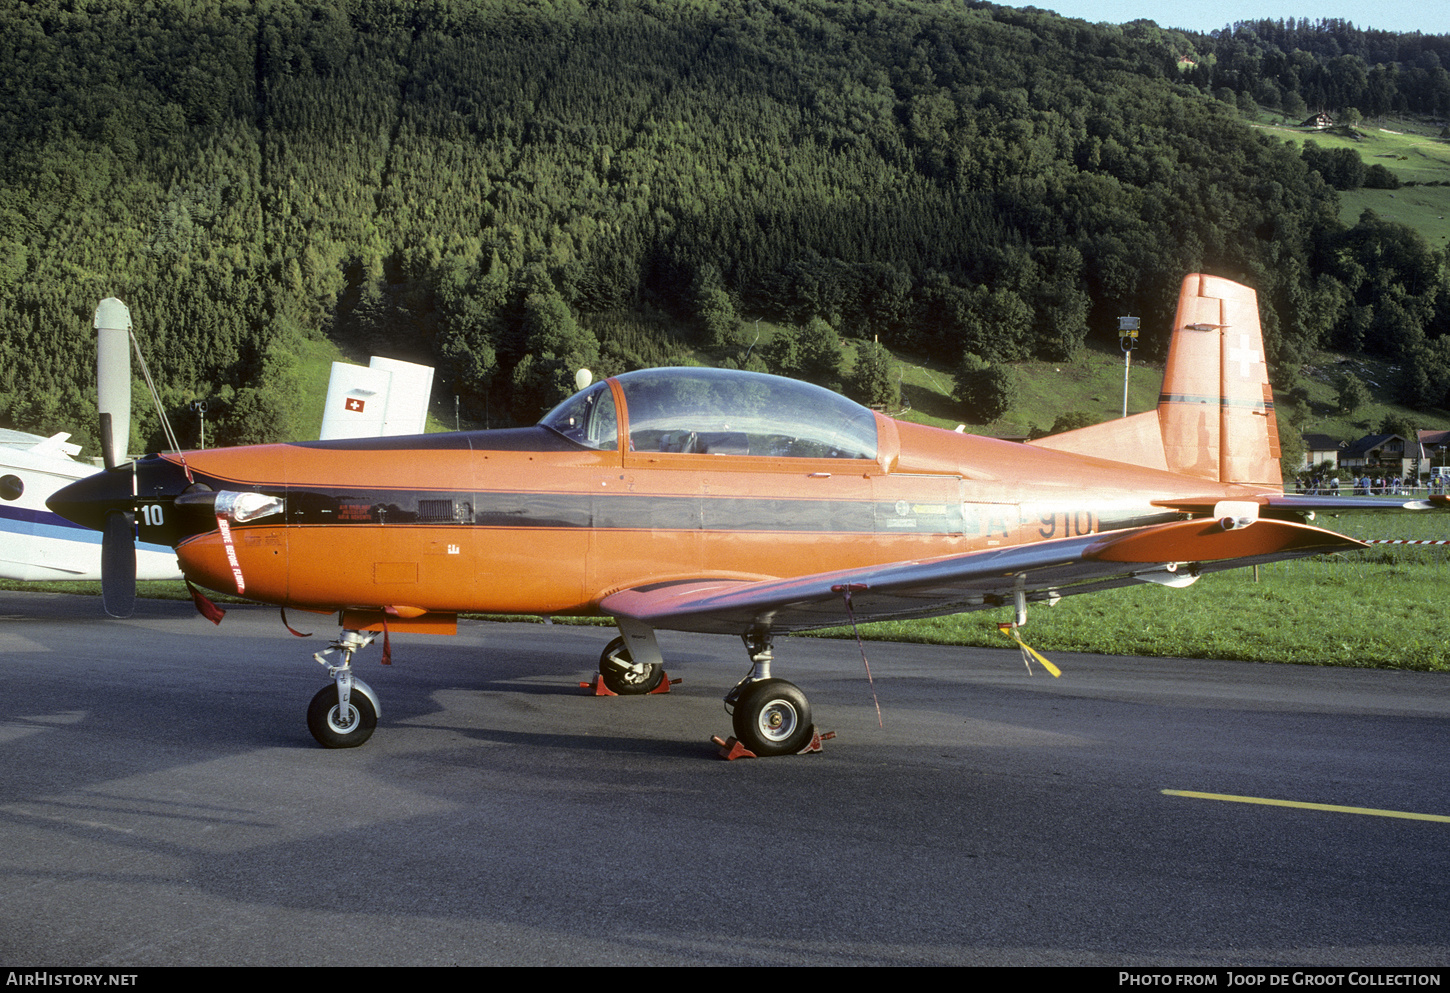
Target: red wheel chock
(731, 749)
(596, 686)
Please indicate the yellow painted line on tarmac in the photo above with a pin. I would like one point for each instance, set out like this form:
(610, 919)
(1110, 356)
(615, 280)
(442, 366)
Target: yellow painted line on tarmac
(1333, 808)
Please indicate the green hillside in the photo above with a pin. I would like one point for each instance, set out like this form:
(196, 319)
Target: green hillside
(1413, 150)
(1090, 383)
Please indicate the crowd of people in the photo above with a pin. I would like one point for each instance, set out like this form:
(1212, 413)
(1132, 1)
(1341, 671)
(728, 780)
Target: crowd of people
(1372, 485)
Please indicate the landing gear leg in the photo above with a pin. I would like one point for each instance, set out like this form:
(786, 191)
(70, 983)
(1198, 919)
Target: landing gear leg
(632, 664)
(770, 716)
(345, 714)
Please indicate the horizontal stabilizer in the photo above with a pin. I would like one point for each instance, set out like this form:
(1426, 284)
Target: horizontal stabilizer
(1300, 503)
(1206, 540)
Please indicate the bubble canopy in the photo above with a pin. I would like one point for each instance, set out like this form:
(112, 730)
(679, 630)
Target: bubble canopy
(719, 412)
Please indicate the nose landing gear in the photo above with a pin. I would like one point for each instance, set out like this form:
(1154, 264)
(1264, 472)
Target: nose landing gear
(346, 714)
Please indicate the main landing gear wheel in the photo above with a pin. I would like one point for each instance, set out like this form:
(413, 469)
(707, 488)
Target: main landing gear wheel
(333, 730)
(772, 717)
(622, 676)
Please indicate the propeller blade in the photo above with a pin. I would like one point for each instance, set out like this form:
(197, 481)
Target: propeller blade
(118, 563)
(113, 378)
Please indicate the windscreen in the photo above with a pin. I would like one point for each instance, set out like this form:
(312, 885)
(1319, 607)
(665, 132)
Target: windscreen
(729, 412)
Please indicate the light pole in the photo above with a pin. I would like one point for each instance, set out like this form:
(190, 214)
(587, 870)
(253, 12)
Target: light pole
(1127, 341)
(200, 407)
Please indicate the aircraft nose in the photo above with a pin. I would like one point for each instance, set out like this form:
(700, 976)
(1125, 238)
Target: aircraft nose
(87, 500)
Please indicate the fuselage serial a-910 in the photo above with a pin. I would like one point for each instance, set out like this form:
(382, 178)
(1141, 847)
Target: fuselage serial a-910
(726, 502)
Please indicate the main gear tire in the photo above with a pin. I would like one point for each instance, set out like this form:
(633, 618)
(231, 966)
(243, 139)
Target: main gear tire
(772, 717)
(616, 666)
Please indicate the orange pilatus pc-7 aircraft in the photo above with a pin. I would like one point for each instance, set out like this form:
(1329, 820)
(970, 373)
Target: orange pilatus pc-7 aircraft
(721, 501)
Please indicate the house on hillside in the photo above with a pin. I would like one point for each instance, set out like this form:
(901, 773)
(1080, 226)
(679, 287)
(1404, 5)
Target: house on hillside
(1319, 122)
(1321, 448)
(1384, 454)
(1435, 445)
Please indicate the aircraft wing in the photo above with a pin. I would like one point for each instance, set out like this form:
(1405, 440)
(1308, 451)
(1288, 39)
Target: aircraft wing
(1169, 554)
(1306, 502)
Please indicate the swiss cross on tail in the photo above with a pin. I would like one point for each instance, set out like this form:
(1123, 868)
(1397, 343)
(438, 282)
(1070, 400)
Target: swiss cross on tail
(1247, 355)
(355, 405)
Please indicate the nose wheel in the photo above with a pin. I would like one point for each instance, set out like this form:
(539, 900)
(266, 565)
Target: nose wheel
(336, 727)
(345, 714)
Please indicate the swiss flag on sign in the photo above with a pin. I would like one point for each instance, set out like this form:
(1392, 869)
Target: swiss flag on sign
(354, 404)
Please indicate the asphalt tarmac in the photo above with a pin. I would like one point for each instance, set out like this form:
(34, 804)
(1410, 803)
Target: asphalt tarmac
(162, 803)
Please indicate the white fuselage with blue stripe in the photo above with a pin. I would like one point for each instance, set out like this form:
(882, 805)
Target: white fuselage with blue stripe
(36, 544)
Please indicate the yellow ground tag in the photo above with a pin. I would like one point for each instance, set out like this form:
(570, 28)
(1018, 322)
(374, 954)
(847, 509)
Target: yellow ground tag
(1010, 629)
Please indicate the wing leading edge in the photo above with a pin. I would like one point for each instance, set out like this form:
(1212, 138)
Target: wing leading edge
(1170, 554)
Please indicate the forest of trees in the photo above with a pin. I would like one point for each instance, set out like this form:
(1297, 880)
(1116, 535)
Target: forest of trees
(509, 189)
(1300, 66)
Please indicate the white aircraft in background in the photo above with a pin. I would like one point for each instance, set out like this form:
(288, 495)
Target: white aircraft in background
(36, 544)
(388, 398)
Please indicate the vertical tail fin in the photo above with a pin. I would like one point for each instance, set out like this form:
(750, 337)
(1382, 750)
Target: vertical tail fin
(1216, 410)
(1215, 416)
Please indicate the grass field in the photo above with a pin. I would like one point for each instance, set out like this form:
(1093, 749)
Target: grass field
(1424, 208)
(1091, 382)
(314, 366)
(1414, 152)
(1322, 377)
(1358, 612)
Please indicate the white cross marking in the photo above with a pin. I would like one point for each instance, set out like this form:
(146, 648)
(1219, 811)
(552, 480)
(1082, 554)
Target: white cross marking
(1245, 355)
